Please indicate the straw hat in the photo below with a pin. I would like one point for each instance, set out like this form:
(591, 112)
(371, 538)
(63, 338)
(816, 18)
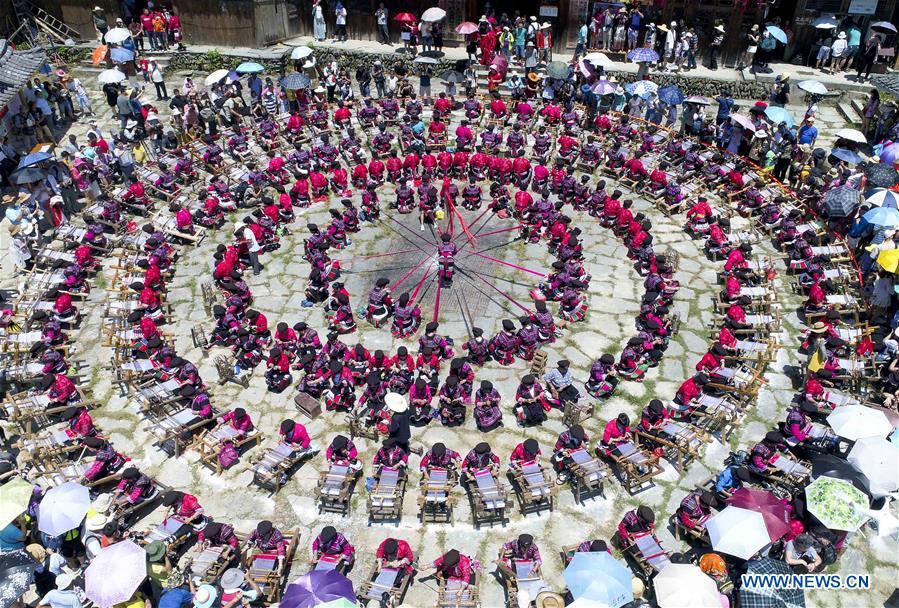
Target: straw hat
(533, 77)
(719, 28)
(396, 402)
(785, 76)
(637, 587)
(102, 503)
(205, 596)
(545, 25)
(549, 599)
(818, 328)
(37, 552)
(662, 27)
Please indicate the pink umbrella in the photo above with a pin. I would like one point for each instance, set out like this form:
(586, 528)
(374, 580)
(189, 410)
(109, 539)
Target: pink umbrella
(772, 508)
(466, 27)
(114, 575)
(743, 121)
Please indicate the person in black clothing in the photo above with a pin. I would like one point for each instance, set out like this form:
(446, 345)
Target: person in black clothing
(399, 420)
(868, 56)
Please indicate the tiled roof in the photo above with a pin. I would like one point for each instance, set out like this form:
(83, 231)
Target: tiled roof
(888, 83)
(15, 68)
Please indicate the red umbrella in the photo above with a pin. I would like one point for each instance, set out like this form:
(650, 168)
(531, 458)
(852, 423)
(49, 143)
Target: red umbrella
(466, 27)
(405, 18)
(772, 508)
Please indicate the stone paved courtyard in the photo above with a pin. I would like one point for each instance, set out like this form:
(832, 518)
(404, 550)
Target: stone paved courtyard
(614, 301)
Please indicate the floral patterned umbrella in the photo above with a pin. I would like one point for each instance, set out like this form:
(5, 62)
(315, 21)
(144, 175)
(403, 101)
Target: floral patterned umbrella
(16, 574)
(834, 502)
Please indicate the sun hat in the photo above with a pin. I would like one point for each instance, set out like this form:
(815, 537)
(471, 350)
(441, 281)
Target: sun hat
(205, 596)
(64, 580)
(232, 579)
(96, 521)
(719, 28)
(102, 503)
(549, 599)
(396, 402)
(155, 551)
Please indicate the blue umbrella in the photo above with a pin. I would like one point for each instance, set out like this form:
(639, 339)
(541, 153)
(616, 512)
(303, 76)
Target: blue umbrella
(883, 216)
(882, 197)
(778, 115)
(643, 55)
(643, 88)
(599, 577)
(249, 67)
(28, 175)
(295, 80)
(846, 155)
(671, 95)
(33, 159)
(777, 33)
(121, 55)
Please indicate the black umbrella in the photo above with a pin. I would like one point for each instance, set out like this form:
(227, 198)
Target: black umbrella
(841, 201)
(452, 76)
(16, 575)
(832, 466)
(882, 176)
(28, 175)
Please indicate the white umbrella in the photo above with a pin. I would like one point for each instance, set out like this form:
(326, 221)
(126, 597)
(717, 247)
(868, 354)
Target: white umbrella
(599, 59)
(63, 508)
(433, 14)
(878, 460)
(813, 86)
(425, 59)
(301, 52)
(855, 421)
(827, 22)
(685, 586)
(216, 76)
(117, 35)
(852, 135)
(738, 532)
(111, 76)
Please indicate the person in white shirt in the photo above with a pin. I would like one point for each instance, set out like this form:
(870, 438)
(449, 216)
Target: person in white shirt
(381, 15)
(253, 246)
(62, 596)
(340, 21)
(838, 52)
(158, 80)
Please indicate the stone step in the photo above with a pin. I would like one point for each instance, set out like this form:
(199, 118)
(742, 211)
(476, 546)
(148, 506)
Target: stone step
(848, 112)
(858, 104)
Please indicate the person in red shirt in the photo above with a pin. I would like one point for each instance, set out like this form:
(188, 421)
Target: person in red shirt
(395, 553)
(79, 422)
(616, 431)
(183, 506)
(690, 391)
(712, 360)
(817, 298)
(526, 451)
(443, 104)
(737, 258)
(341, 114)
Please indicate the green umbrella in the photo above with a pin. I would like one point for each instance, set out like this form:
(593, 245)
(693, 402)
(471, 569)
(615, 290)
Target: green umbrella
(339, 603)
(557, 69)
(835, 503)
(14, 497)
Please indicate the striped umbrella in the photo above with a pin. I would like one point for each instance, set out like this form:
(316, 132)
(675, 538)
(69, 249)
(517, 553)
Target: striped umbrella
(643, 55)
(881, 197)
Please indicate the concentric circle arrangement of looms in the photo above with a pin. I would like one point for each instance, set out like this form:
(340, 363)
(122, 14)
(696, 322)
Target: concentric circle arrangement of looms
(470, 286)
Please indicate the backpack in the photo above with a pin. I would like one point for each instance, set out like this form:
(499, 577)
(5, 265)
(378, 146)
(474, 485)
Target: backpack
(228, 455)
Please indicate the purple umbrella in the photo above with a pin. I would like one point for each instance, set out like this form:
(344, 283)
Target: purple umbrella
(889, 155)
(604, 87)
(318, 587)
(114, 575)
